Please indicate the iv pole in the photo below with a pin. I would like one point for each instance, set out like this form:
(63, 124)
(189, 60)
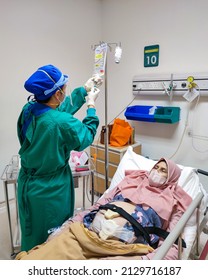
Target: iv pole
(106, 132)
(106, 127)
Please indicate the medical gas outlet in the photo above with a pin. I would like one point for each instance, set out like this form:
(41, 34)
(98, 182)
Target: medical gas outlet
(163, 85)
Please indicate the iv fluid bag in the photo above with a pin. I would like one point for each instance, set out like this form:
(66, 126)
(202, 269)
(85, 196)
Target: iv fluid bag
(100, 59)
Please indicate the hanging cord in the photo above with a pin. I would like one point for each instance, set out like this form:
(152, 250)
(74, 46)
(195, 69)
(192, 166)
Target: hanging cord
(194, 147)
(98, 140)
(195, 107)
(122, 110)
(182, 137)
(186, 125)
(197, 136)
(185, 128)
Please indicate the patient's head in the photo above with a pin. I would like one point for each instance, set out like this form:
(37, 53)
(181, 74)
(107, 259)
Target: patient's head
(164, 172)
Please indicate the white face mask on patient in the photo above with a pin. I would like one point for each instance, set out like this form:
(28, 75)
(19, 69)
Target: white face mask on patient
(155, 179)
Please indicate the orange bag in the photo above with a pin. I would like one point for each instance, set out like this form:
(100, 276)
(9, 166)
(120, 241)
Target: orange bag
(102, 133)
(121, 133)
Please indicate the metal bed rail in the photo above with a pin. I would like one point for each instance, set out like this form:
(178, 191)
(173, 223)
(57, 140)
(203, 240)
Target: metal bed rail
(168, 242)
(176, 233)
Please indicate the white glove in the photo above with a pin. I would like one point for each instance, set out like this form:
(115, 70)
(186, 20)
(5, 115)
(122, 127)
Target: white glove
(96, 80)
(92, 96)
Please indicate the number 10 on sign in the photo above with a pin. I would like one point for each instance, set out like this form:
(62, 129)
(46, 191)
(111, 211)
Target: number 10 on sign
(151, 56)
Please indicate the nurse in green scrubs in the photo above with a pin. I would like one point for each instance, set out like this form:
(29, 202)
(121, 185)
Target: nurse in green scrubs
(48, 132)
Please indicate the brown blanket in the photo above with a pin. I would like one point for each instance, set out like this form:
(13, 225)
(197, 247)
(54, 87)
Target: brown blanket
(79, 243)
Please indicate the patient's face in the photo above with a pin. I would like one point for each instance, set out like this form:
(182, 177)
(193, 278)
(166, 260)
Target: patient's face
(162, 169)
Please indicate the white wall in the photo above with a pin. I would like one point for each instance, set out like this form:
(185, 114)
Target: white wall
(179, 27)
(35, 33)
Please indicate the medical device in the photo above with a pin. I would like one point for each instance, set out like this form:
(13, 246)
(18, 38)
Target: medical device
(100, 67)
(170, 85)
(100, 59)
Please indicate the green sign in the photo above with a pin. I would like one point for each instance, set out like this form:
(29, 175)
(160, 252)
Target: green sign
(151, 56)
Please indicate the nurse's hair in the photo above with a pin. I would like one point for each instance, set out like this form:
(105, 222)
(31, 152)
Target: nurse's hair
(32, 98)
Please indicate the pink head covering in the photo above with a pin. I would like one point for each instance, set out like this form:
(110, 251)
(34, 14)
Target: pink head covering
(174, 173)
(163, 199)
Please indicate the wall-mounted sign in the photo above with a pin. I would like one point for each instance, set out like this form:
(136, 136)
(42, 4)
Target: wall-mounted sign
(151, 56)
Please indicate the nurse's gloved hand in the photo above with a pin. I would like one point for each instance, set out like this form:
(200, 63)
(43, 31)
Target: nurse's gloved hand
(96, 80)
(92, 96)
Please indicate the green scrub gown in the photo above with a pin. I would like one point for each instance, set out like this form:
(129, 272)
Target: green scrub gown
(45, 182)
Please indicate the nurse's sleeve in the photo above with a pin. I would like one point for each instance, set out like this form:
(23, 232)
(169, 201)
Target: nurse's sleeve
(72, 104)
(80, 134)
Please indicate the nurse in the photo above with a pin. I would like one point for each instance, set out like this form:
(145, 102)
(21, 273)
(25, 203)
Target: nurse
(48, 132)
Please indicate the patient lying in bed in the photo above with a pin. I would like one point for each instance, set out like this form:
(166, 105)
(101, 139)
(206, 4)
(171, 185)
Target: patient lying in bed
(152, 199)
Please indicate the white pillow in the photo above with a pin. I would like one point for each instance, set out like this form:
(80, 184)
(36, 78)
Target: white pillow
(130, 161)
(189, 179)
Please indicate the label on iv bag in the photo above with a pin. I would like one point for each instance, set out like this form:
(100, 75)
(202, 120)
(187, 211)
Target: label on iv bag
(100, 59)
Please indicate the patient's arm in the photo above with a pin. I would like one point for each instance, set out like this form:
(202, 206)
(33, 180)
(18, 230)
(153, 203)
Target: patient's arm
(172, 254)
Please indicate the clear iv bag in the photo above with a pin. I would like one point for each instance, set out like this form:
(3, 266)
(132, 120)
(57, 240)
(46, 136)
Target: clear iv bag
(100, 59)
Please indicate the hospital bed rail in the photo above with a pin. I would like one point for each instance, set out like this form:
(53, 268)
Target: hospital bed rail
(178, 230)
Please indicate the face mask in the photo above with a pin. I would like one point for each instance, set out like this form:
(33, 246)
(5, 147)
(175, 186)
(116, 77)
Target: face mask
(61, 102)
(155, 179)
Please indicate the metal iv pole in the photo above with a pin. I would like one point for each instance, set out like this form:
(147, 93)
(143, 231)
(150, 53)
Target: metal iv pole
(106, 128)
(106, 131)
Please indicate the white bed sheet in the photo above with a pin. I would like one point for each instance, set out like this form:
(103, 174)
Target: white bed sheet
(189, 181)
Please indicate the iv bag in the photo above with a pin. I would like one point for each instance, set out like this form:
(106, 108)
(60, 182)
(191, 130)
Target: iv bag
(100, 59)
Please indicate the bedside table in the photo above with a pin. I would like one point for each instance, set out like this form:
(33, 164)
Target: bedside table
(115, 155)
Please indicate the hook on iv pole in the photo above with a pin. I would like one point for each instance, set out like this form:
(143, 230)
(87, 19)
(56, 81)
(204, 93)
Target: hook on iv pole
(169, 90)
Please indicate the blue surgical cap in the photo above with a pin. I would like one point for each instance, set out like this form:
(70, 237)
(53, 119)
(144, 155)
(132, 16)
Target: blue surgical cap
(45, 82)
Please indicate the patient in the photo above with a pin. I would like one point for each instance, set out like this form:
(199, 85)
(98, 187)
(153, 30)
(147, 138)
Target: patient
(153, 199)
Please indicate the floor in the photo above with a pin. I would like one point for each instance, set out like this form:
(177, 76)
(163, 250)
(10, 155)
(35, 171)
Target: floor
(5, 244)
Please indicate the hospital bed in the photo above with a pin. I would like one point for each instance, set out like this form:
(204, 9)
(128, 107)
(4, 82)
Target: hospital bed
(195, 219)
